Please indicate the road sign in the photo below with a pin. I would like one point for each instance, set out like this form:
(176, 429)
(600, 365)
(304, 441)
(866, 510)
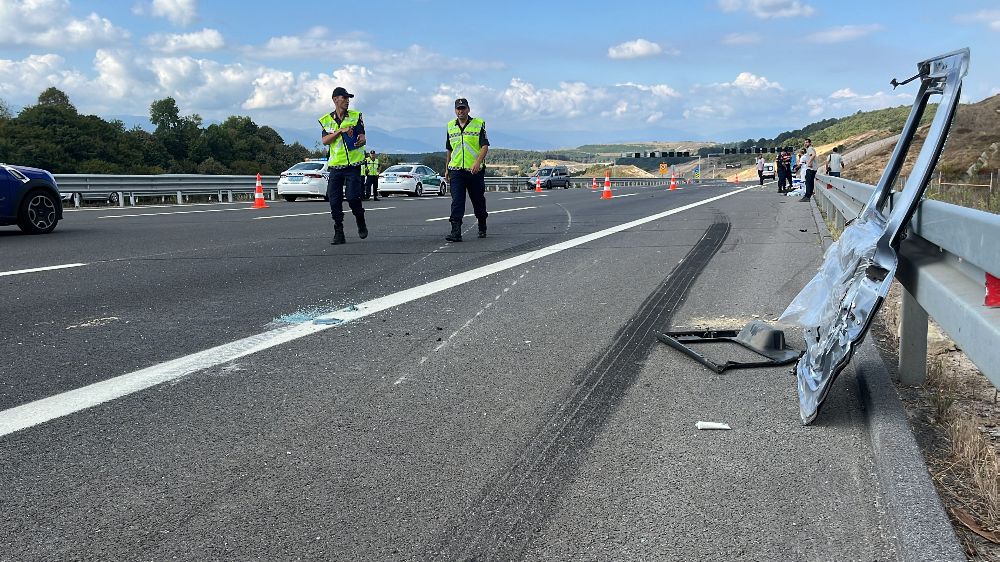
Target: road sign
(664, 169)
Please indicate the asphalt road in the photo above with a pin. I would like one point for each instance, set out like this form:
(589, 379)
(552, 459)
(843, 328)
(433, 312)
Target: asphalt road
(520, 411)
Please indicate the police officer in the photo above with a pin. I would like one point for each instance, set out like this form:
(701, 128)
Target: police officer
(344, 133)
(466, 147)
(371, 176)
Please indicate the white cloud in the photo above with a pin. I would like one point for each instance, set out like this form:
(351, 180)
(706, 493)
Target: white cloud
(204, 40)
(635, 49)
(845, 100)
(179, 12)
(747, 81)
(748, 96)
(990, 18)
(742, 39)
(765, 9)
(843, 33)
(46, 23)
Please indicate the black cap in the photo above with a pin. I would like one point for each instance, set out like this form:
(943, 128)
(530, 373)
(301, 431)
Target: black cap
(461, 102)
(340, 91)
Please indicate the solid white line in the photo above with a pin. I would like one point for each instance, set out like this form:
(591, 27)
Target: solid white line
(311, 214)
(626, 195)
(175, 213)
(107, 209)
(37, 269)
(491, 212)
(40, 411)
(521, 197)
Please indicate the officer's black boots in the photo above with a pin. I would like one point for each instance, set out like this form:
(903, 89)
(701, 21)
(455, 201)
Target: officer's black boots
(362, 228)
(338, 234)
(482, 228)
(456, 232)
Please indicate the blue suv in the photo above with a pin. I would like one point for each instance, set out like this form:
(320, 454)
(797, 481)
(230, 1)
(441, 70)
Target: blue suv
(29, 198)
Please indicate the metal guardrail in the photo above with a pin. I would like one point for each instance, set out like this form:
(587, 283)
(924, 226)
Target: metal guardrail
(173, 185)
(131, 188)
(942, 267)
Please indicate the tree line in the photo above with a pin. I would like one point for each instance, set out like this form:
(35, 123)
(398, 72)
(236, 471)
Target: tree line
(54, 136)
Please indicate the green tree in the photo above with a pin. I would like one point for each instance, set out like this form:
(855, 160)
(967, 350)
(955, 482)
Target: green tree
(55, 97)
(164, 114)
(5, 112)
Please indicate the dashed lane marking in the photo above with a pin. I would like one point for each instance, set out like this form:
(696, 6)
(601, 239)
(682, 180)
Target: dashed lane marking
(491, 212)
(312, 214)
(63, 404)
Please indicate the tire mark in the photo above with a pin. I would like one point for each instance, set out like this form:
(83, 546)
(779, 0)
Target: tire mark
(500, 522)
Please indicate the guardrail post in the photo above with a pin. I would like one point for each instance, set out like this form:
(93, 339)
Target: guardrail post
(76, 200)
(912, 341)
(131, 198)
(229, 194)
(180, 198)
(121, 199)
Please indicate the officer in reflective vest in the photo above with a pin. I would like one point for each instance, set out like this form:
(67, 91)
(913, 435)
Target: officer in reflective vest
(344, 133)
(466, 148)
(371, 176)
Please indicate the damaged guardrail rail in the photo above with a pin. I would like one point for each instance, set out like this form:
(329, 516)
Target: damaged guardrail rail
(942, 254)
(943, 262)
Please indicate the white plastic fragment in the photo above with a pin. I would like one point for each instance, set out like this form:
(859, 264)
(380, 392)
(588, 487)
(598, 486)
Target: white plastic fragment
(712, 425)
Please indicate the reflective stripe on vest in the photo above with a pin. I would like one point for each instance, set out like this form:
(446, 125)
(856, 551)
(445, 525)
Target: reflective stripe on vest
(464, 143)
(340, 155)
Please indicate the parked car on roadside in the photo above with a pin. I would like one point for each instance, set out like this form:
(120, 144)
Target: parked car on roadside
(29, 198)
(305, 179)
(769, 170)
(411, 179)
(549, 177)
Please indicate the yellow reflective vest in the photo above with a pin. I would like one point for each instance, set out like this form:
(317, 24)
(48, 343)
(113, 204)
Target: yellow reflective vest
(464, 143)
(343, 151)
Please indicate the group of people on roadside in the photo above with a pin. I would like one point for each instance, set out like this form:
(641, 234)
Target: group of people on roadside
(805, 166)
(466, 146)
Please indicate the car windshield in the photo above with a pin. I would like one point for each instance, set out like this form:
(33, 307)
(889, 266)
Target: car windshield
(399, 169)
(303, 166)
(544, 172)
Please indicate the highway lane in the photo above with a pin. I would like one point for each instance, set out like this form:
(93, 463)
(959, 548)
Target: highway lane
(163, 286)
(524, 415)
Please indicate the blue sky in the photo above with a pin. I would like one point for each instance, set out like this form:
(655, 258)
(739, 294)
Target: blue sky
(701, 69)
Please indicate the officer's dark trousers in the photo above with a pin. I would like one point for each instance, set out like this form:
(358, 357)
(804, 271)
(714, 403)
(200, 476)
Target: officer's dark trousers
(783, 179)
(463, 181)
(371, 187)
(810, 183)
(341, 180)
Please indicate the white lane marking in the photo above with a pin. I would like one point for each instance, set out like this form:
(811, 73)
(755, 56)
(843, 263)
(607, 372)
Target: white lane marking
(311, 214)
(626, 195)
(174, 213)
(491, 212)
(37, 269)
(45, 409)
(107, 209)
(521, 197)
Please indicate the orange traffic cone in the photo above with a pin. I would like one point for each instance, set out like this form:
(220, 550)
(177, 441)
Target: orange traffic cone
(538, 184)
(607, 186)
(593, 184)
(673, 181)
(258, 196)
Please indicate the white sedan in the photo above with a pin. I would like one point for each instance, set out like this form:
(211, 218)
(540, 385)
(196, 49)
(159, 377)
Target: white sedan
(412, 179)
(305, 179)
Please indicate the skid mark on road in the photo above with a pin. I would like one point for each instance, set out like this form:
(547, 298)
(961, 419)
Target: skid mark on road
(498, 523)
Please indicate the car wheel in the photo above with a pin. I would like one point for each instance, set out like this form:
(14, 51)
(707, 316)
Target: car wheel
(37, 214)
(290, 198)
(418, 191)
(442, 188)
(114, 199)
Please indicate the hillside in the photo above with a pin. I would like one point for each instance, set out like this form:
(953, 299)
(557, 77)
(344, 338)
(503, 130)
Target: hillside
(971, 152)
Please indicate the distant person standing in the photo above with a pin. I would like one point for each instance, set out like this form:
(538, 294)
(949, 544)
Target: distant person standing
(466, 147)
(811, 165)
(371, 176)
(344, 133)
(760, 169)
(784, 165)
(835, 163)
